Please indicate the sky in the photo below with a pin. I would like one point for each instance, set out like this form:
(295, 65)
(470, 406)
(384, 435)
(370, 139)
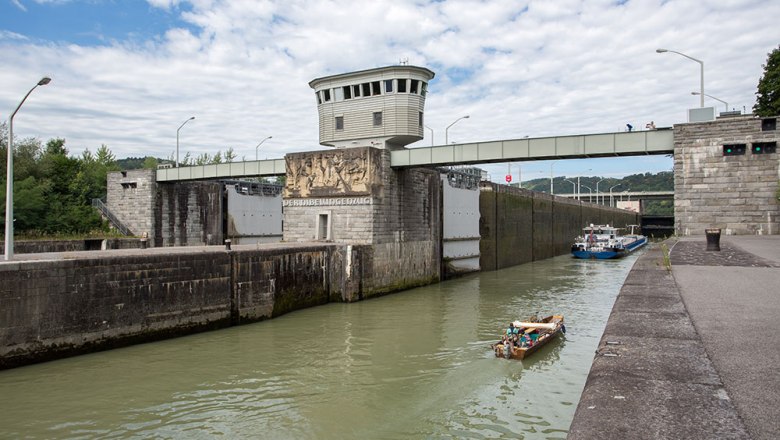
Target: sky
(128, 73)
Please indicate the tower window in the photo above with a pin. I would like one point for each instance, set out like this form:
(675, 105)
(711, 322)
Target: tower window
(376, 88)
(388, 86)
(420, 119)
(339, 122)
(326, 95)
(347, 92)
(366, 89)
(401, 86)
(356, 90)
(769, 124)
(377, 119)
(424, 88)
(414, 87)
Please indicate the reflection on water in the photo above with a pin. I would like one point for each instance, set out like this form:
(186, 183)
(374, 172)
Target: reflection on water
(416, 364)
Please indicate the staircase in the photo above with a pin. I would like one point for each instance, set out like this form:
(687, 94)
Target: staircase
(100, 206)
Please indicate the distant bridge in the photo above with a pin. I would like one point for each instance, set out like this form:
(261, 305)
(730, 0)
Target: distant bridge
(620, 195)
(635, 143)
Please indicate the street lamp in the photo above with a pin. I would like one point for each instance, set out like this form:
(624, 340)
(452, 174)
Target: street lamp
(258, 146)
(573, 187)
(611, 203)
(590, 193)
(710, 96)
(9, 177)
(177, 139)
(429, 128)
(551, 177)
(446, 138)
(597, 189)
(701, 63)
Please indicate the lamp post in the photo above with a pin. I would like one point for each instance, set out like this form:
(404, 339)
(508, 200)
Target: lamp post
(611, 203)
(177, 139)
(573, 187)
(446, 138)
(597, 190)
(701, 64)
(9, 177)
(590, 193)
(710, 96)
(520, 174)
(258, 146)
(551, 177)
(429, 128)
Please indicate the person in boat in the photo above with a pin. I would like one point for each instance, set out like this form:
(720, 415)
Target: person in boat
(510, 336)
(524, 340)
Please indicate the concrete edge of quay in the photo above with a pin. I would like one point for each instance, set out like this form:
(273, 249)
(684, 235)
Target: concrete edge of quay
(651, 377)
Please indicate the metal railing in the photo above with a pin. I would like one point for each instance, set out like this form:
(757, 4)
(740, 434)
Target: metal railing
(100, 206)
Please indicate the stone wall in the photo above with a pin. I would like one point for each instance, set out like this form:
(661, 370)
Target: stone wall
(100, 300)
(735, 193)
(87, 244)
(353, 196)
(171, 214)
(131, 198)
(519, 226)
(188, 214)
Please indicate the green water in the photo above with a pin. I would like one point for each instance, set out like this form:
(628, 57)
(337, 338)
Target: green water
(412, 365)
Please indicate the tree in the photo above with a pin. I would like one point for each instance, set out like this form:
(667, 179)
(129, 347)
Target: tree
(150, 163)
(768, 94)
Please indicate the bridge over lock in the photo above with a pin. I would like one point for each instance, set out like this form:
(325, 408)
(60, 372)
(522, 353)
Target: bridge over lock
(639, 143)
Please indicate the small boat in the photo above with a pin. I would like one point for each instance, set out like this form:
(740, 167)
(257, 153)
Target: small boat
(603, 242)
(538, 332)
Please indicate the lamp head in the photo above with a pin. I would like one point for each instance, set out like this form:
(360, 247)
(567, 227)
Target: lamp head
(661, 50)
(695, 93)
(466, 117)
(45, 80)
(191, 118)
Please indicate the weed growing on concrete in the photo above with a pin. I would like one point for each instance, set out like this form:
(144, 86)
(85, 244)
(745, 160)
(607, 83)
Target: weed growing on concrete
(667, 258)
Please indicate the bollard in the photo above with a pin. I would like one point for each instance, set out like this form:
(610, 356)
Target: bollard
(227, 244)
(713, 239)
(144, 243)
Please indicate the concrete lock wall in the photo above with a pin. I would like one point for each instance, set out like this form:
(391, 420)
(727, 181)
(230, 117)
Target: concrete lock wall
(188, 214)
(57, 308)
(519, 226)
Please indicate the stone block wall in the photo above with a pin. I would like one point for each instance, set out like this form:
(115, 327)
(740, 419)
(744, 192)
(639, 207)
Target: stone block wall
(735, 193)
(188, 214)
(131, 198)
(396, 212)
(101, 300)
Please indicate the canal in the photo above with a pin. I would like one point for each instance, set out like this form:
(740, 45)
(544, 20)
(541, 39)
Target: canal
(414, 365)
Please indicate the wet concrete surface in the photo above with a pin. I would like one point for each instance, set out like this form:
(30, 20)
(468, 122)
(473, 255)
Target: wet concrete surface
(692, 347)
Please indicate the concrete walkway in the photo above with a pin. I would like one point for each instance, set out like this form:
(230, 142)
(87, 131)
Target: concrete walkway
(691, 353)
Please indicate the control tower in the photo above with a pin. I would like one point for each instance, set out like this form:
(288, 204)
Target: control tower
(380, 108)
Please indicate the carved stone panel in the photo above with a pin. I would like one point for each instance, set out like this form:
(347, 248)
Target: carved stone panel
(337, 173)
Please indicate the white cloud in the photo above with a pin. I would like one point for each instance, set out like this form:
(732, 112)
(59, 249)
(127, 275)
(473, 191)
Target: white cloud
(517, 68)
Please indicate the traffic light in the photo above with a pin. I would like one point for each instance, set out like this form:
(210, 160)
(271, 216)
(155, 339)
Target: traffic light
(763, 147)
(734, 149)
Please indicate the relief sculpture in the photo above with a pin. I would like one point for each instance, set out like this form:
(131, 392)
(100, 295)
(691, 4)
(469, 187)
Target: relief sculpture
(331, 173)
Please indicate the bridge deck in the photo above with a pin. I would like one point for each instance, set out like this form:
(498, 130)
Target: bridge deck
(660, 141)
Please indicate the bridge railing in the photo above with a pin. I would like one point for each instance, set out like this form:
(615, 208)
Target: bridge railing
(100, 206)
